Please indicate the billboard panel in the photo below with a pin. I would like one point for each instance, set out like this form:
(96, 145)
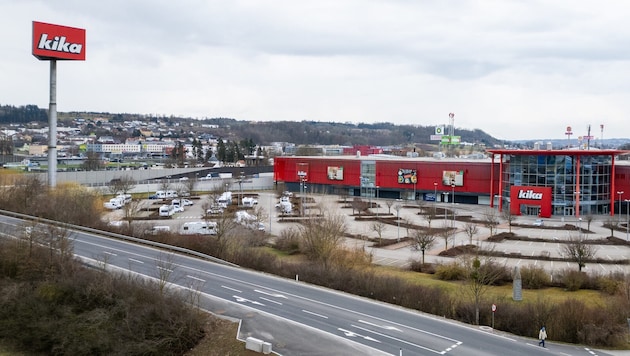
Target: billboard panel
(453, 177)
(407, 176)
(335, 173)
(58, 42)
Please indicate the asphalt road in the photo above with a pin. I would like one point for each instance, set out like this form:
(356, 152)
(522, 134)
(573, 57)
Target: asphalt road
(300, 319)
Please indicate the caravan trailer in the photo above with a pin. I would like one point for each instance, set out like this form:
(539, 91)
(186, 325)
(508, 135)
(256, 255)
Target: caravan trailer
(199, 228)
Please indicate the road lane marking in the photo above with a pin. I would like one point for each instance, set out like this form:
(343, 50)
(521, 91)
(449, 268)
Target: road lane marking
(232, 289)
(109, 253)
(245, 300)
(195, 278)
(270, 300)
(164, 269)
(136, 261)
(353, 334)
(319, 315)
(386, 327)
(401, 340)
(277, 295)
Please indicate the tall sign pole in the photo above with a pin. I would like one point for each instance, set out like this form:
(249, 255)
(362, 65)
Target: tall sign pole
(52, 43)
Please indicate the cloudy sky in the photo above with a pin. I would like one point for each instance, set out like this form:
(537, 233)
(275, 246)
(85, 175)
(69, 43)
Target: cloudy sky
(514, 69)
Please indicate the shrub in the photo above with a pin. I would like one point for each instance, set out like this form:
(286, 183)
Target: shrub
(572, 280)
(534, 277)
(450, 272)
(418, 266)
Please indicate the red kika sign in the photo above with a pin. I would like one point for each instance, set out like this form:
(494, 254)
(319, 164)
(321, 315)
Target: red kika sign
(523, 195)
(58, 42)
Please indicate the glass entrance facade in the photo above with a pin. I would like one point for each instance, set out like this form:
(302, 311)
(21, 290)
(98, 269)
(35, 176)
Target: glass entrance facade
(559, 172)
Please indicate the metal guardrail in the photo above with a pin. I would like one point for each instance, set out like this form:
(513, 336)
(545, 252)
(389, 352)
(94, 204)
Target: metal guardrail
(118, 236)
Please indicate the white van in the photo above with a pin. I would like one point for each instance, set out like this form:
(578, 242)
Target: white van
(125, 198)
(199, 228)
(113, 203)
(166, 210)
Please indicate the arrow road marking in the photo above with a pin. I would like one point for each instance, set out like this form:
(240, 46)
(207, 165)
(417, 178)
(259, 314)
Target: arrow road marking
(244, 300)
(386, 327)
(353, 334)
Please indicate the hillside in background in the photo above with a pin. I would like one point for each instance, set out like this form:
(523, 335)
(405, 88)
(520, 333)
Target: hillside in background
(264, 132)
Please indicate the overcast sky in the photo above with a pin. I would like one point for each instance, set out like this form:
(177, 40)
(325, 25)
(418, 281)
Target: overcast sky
(514, 69)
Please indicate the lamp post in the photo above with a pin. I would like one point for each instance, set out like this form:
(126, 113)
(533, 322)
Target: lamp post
(627, 218)
(453, 204)
(620, 193)
(240, 185)
(446, 200)
(397, 208)
(377, 202)
(434, 196)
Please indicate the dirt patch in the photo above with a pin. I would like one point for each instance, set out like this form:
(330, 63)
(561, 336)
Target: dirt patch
(220, 340)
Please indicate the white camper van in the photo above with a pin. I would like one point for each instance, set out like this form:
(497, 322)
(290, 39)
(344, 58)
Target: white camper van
(249, 221)
(199, 228)
(167, 210)
(249, 202)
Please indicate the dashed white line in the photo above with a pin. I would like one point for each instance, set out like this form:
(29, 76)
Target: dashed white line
(319, 315)
(136, 261)
(196, 278)
(232, 289)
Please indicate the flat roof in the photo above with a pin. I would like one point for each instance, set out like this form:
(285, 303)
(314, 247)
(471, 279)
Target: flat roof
(559, 152)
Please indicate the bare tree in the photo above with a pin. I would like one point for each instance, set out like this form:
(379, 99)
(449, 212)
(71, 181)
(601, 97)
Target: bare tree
(322, 238)
(578, 251)
(471, 230)
(421, 241)
(190, 185)
(491, 220)
(378, 227)
(165, 185)
(610, 223)
(481, 273)
(446, 233)
(165, 268)
(429, 216)
(130, 211)
(509, 217)
(122, 185)
(589, 219)
(389, 204)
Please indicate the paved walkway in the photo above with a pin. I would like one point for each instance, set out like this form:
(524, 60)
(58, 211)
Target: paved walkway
(401, 254)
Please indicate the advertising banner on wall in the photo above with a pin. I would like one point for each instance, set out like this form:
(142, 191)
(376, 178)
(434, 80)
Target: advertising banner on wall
(302, 171)
(58, 42)
(453, 177)
(335, 173)
(407, 176)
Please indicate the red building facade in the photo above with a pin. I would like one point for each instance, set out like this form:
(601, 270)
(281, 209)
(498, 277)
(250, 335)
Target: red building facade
(483, 182)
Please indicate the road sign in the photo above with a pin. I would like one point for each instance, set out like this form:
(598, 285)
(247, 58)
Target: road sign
(494, 308)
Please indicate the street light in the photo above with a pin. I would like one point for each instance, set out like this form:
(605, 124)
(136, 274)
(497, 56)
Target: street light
(434, 196)
(397, 208)
(240, 184)
(627, 216)
(446, 200)
(453, 203)
(620, 193)
(377, 202)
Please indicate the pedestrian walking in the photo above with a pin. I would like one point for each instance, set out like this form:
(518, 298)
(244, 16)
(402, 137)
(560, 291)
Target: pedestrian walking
(542, 335)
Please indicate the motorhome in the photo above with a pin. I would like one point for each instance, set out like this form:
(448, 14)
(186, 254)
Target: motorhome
(114, 203)
(224, 200)
(177, 205)
(167, 210)
(125, 198)
(249, 202)
(250, 221)
(285, 207)
(199, 228)
(164, 194)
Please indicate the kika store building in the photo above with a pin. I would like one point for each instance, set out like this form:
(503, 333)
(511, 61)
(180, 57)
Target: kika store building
(528, 182)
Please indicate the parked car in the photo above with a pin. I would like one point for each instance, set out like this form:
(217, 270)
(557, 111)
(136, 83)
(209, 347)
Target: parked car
(186, 202)
(538, 222)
